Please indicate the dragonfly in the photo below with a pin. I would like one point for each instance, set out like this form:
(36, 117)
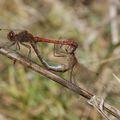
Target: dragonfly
(77, 71)
(23, 37)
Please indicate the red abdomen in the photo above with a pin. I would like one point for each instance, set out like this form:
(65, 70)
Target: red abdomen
(63, 42)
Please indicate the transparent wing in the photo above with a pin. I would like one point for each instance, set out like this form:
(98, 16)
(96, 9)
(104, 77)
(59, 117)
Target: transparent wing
(84, 77)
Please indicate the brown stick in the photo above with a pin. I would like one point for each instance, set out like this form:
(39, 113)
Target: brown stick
(66, 83)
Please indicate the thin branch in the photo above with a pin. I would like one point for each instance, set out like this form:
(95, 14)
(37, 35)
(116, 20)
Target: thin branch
(66, 83)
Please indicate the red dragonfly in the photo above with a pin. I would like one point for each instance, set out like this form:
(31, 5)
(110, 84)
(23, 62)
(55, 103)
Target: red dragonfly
(24, 36)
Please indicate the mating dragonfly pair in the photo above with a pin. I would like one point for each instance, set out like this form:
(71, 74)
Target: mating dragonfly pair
(23, 37)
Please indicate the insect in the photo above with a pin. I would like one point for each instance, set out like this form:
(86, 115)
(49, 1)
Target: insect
(24, 37)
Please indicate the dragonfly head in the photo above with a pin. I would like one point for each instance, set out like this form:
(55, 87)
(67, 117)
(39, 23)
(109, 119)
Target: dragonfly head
(11, 36)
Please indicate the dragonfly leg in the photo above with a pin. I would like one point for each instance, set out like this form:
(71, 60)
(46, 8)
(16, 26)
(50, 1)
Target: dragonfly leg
(8, 46)
(72, 79)
(71, 71)
(66, 49)
(57, 52)
(17, 46)
(29, 47)
(12, 44)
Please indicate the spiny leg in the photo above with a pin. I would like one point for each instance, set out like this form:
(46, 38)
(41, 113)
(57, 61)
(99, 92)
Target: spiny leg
(17, 46)
(72, 78)
(58, 53)
(66, 49)
(8, 45)
(58, 50)
(29, 47)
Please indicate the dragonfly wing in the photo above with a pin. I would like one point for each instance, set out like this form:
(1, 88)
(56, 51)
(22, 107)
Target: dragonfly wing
(83, 76)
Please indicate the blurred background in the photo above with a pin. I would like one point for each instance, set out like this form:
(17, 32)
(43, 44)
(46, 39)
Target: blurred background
(94, 24)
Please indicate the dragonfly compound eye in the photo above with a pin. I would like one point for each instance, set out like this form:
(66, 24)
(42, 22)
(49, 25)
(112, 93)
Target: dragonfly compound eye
(11, 36)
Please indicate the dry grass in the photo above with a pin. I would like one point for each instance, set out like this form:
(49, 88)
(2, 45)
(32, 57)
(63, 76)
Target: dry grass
(25, 95)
